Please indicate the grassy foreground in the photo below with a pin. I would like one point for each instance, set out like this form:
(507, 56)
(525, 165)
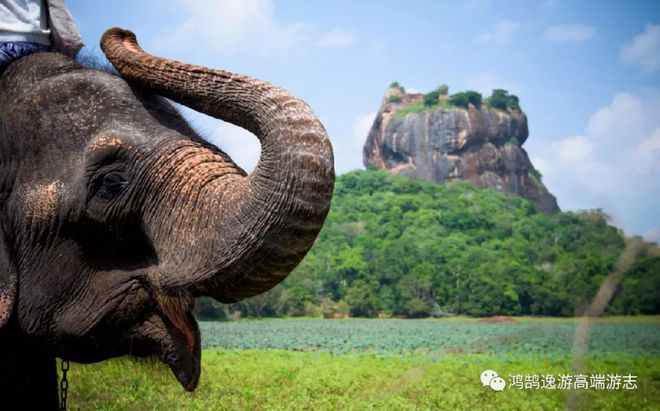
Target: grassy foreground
(278, 379)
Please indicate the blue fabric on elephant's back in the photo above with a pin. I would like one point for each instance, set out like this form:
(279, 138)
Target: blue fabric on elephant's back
(10, 52)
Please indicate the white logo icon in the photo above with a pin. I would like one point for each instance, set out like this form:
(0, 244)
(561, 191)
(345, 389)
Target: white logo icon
(497, 384)
(490, 379)
(486, 376)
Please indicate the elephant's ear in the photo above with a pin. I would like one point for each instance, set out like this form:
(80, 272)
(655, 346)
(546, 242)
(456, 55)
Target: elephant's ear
(8, 278)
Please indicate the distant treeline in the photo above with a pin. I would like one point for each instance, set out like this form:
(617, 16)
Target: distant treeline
(397, 246)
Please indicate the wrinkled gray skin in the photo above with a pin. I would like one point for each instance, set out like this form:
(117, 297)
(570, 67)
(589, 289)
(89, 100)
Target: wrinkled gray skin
(115, 214)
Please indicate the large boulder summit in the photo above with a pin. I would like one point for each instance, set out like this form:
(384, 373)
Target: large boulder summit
(444, 139)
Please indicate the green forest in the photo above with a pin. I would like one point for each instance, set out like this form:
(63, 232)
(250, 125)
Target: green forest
(395, 246)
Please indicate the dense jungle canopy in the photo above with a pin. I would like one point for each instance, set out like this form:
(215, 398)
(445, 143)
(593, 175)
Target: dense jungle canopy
(396, 246)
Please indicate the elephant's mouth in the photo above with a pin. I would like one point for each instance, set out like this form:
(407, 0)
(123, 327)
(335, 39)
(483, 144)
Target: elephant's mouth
(178, 342)
(170, 333)
(139, 320)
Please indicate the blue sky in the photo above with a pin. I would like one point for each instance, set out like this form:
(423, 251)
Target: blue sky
(587, 74)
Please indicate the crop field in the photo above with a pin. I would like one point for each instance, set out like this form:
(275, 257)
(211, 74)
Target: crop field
(385, 364)
(437, 337)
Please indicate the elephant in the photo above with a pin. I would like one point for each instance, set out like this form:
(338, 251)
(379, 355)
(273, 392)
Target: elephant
(115, 214)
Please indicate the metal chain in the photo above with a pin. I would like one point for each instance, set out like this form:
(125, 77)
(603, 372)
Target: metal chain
(64, 385)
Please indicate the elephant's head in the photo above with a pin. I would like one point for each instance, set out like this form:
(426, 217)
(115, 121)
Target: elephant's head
(115, 214)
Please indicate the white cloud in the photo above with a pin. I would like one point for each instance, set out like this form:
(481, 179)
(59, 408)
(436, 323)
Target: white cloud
(241, 145)
(336, 38)
(644, 49)
(575, 33)
(541, 164)
(573, 150)
(622, 117)
(645, 157)
(230, 26)
(348, 148)
(501, 33)
(577, 154)
(361, 127)
(615, 165)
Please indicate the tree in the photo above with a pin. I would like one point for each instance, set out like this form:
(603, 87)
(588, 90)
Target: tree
(474, 98)
(502, 100)
(265, 304)
(362, 300)
(393, 98)
(416, 291)
(459, 100)
(402, 246)
(207, 308)
(432, 98)
(395, 84)
(291, 304)
(464, 98)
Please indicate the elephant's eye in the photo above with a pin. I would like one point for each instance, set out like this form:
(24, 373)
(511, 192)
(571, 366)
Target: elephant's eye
(112, 183)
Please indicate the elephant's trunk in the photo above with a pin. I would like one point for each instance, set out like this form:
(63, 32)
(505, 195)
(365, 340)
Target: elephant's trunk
(248, 233)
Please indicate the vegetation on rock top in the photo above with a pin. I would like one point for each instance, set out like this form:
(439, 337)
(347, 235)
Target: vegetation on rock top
(439, 98)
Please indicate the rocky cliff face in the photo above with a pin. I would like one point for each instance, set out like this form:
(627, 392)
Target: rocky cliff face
(483, 146)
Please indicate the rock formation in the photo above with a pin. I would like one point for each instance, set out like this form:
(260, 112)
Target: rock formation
(444, 142)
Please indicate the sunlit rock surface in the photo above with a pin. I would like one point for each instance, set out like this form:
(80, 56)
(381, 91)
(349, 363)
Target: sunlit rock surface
(483, 146)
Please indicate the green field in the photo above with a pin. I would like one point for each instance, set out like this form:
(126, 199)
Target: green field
(383, 364)
(432, 337)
